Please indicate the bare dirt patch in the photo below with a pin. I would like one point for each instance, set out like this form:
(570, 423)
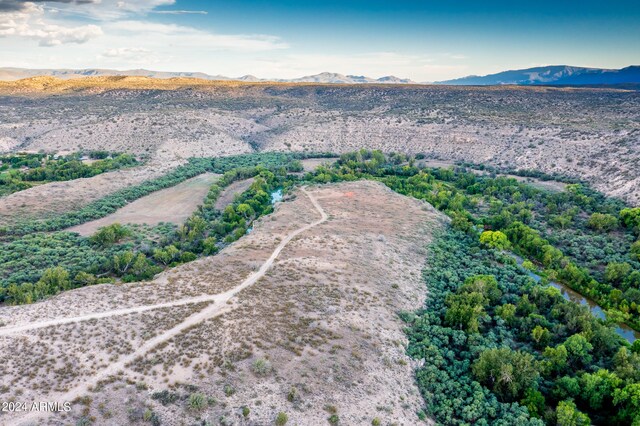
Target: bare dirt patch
(311, 164)
(173, 205)
(48, 200)
(228, 194)
(316, 336)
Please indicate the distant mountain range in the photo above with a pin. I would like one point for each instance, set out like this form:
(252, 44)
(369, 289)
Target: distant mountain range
(325, 77)
(550, 75)
(556, 75)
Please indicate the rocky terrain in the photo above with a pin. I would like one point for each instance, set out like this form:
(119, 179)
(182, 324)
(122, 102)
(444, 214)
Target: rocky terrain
(592, 134)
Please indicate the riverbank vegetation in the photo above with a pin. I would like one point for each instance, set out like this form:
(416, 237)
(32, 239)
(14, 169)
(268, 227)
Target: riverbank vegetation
(578, 236)
(130, 253)
(495, 346)
(22, 171)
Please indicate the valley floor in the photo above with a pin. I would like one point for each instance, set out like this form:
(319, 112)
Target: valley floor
(297, 317)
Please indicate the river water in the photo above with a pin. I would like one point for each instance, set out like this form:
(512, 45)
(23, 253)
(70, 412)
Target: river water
(276, 196)
(623, 330)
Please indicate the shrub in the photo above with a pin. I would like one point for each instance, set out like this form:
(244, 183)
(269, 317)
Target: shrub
(197, 401)
(261, 367)
(281, 419)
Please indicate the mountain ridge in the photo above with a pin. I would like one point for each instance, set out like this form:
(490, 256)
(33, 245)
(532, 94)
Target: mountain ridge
(12, 74)
(553, 75)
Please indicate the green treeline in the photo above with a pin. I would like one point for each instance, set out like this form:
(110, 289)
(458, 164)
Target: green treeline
(116, 252)
(111, 203)
(579, 237)
(21, 171)
(495, 346)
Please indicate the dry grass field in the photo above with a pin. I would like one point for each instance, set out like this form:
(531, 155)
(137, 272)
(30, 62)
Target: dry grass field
(299, 317)
(48, 200)
(228, 194)
(174, 205)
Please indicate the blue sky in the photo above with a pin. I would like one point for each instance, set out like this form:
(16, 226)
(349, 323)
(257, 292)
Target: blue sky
(424, 41)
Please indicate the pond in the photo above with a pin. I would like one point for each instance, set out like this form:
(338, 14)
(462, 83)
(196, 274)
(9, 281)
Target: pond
(622, 330)
(276, 196)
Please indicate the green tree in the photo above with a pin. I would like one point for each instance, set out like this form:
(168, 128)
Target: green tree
(245, 210)
(507, 312)
(635, 250)
(487, 285)
(630, 218)
(629, 398)
(615, 272)
(567, 414)
(465, 310)
(55, 280)
(109, 235)
(599, 387)
(602, 222)
(534, 401)
(123, 261)
(495, 239)
(541, 336)
(209, 246)
(556, 358)
(578, 350)
(166, 255)
(506, 372)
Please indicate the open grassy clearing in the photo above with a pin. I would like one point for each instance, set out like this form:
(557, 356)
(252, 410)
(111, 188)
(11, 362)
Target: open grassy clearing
(337, 287)
(51, 199)
(227, 195)
(311, 164)
(174, 204)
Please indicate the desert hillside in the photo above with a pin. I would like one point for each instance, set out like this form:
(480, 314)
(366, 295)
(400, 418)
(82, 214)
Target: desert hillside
(591, 134)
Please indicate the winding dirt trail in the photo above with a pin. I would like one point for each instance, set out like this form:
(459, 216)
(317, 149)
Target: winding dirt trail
(217, 308)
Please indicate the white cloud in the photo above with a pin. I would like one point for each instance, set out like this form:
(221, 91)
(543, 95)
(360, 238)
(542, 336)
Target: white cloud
(181, 12)
(191, 38)
(126, 52)
(30, 22)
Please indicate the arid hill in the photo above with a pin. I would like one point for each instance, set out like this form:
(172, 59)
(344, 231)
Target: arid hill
(300, 316)
(592, 134)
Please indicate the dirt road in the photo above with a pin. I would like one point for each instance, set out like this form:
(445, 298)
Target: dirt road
(218, 307)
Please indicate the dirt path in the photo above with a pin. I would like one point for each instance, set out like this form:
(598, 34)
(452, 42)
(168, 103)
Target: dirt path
(217, 308)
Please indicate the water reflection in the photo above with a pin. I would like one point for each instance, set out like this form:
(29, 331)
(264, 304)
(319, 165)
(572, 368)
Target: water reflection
(623, 330)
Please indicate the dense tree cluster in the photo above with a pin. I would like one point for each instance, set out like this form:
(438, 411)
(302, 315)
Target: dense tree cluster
(495, 346)
(576, 236)
(20, 171)
(531, 356)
